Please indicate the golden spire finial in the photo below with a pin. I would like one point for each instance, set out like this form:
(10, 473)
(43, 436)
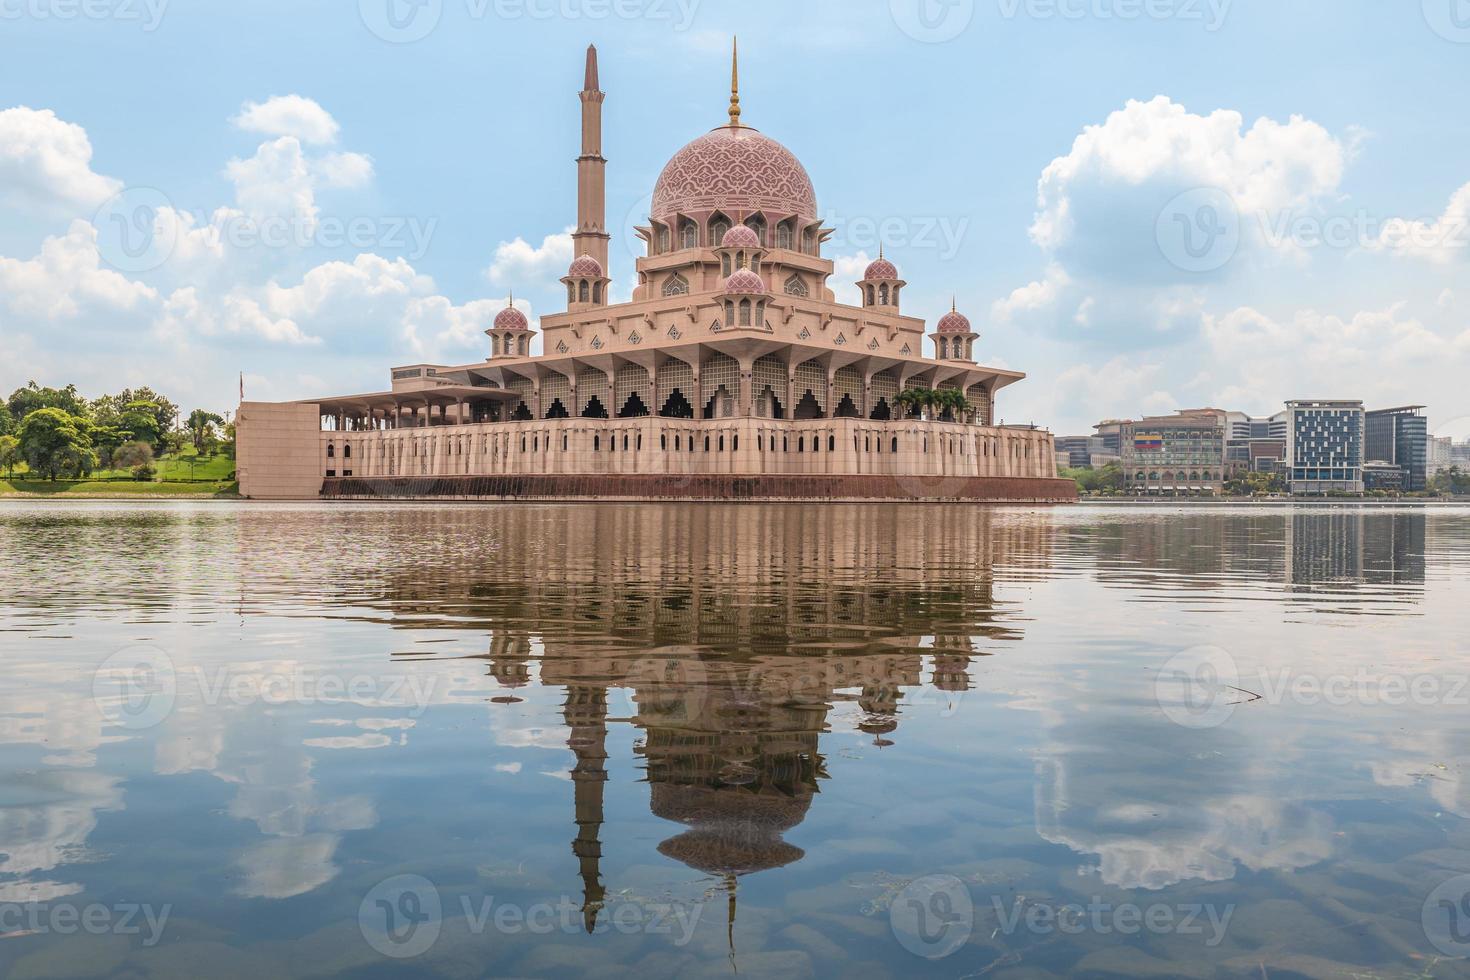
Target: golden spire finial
(735, 85)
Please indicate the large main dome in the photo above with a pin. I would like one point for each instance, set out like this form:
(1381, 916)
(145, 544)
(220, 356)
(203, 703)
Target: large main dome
(736, 170)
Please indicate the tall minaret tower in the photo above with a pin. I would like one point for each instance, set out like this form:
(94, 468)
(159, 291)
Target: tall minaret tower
(591, 237)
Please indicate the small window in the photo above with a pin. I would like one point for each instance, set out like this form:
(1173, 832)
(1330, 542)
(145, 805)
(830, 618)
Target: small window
(347, 451)
(331, 451)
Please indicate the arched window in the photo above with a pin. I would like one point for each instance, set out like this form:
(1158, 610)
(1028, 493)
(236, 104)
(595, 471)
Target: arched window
(726, 269)
(717, 229)
(331, 451)
(757, 224)
(571, 292)
(784, 235)
(796, 286)
(688, 235)
(729, 311)
(597, 292)
(883, 294)
(584, 294)
(663, 240)
(760, 313)
(809, 243)
(745, 312)
(872, 296)
(347, 451)
(676, 285)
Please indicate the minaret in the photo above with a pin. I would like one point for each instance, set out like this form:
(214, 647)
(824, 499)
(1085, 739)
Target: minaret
(591, 237)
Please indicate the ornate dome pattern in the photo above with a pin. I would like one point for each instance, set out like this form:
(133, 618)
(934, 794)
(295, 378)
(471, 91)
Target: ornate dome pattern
(736, 170)
(745, 281)
(954, 322)
(585, 267)
(511, 318)
(741, 236)
(881, 268)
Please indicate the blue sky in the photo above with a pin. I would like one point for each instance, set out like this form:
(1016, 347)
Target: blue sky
(1040, 159)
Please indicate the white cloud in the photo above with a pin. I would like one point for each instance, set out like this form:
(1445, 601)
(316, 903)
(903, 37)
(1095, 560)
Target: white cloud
(847, 272)
(66, 278)
(289, 115)
(45, 164)
(1441, 241)
(519, 261)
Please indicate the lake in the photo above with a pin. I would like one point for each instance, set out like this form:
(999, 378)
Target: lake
(707, 740)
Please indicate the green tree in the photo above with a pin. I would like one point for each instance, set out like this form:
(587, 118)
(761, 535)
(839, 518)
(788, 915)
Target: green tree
(139, 422)
(9, 454)
(1451, 480)
(201, 427)
(24, 401)
(7, 421)
(54, 442)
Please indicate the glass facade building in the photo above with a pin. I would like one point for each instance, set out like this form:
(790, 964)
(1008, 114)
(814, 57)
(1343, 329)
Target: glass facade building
(1400, 436)
(1325, 443)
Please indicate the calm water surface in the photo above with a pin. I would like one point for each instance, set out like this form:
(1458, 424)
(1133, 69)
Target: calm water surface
(708, 740)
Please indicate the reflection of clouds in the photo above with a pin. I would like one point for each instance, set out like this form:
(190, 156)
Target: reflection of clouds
(1156, 811)
(284, 867)
(54, 813)
(50, 705)
(1425, 758)
(369, 740)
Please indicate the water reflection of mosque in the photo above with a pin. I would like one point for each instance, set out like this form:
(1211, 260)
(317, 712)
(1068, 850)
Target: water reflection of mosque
(738, 633)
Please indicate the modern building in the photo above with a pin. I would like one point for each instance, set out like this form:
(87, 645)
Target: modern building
(1084, 451)
(1324, 451)
(733, 370)
(1110, 431)
(1383, 476)
(1179, 453)
(1255, 443)
(1399, 437)
(1441, 454)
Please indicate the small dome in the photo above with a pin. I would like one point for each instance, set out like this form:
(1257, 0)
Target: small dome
(881, 268)
(585, 267)
(511, 318)
(741, 236)
(745, 281)
(954, 322)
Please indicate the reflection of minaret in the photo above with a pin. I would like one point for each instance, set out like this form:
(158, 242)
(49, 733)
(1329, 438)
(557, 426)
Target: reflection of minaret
(585, 712)
(510, 661)
(952, 664)
(591, 237)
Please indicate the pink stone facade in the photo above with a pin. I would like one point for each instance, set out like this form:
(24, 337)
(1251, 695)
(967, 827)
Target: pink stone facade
(733, 361)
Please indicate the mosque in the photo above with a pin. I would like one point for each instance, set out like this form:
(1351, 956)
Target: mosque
(733, 372)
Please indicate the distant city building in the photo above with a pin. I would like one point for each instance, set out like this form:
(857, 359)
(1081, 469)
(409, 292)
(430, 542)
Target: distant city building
(1383, 476)
(1324, 450)
(1110, 431)
(1255, 443)
(1080, 451)
(1179, 453)
(1399, 437)
(1441, 450)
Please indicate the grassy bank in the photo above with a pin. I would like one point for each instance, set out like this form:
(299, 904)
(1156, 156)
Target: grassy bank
(82, 489)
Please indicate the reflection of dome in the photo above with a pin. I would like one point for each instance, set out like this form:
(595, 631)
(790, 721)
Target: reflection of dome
(511, 318)
(732, 831)
(954, 322)
(585, 267)
(881, 268)
(745, 281)
(738, 171)
(741, 236)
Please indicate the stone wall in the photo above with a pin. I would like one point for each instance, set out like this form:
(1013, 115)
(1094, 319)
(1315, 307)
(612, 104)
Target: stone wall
(277, 450)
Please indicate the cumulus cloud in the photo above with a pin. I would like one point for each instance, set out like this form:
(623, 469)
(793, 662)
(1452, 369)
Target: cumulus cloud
(289, 115)
(46, 164)
(1442, 240)
(519, 261)
(1098, 207)
(66, 278)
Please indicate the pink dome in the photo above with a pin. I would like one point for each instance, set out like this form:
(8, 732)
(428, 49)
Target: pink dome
(881, 268)
(738, 171)
(741, 236)
(585, 267)
(954, 322)
(745, 281)
(511, 318)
